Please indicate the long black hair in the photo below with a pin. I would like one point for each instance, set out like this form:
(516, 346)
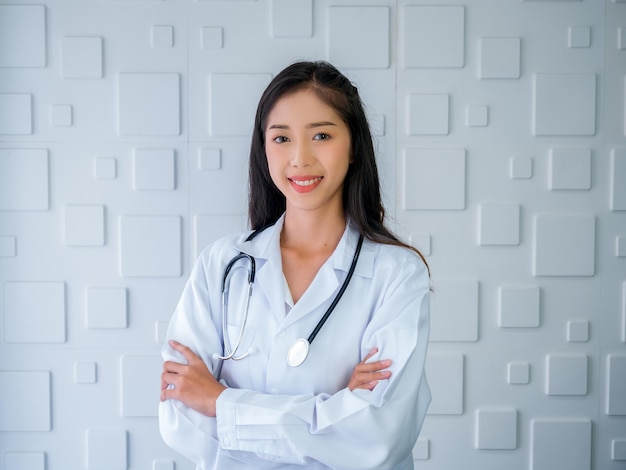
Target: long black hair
(362, 201)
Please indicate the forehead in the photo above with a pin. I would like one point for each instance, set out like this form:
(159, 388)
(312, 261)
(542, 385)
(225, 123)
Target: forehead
(301, 106)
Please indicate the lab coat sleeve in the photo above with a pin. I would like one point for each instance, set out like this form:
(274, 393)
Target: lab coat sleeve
(182, 428)
(349, 430)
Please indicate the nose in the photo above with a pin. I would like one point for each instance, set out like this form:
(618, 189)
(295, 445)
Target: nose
(302, 155)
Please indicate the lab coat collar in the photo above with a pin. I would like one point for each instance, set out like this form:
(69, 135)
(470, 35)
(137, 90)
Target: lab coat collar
(265, 248)
(266, 245)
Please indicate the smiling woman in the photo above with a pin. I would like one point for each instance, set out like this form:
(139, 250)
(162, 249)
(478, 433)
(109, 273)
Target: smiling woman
(357, 397)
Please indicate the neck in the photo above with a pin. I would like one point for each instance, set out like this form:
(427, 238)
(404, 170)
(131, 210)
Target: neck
(312, 231)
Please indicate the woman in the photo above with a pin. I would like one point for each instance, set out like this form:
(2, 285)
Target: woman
(358, 399)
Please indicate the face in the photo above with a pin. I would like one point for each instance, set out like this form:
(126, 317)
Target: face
(308, 152)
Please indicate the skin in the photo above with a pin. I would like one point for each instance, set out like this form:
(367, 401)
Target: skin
(308, 149)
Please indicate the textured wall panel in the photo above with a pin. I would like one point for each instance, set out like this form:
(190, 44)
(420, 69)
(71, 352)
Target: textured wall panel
(17, 117)
(150, 246)
(499, 57)
(499, 128)
(577, 331)
(623, 309)
(569, 168)
(25, 460)
(61, 115)
(106, 307)
(85, 373)
(579, 36)
(34, 312)
(358, 37)
(212, 37)
(8, 246)
(107, 449)
(154, 169)
(446, 379)
(566, 374)
(209, 159)
(25, 402)
(291, 18)
(433, 36)
(24, 179)
(455, 311)
(105, 168)
(617, 178)
(421, 450)
(209, 228)
(498, 224)
(428, 114)
(496, 429)
(556, 237)
(519, 306)
(148, 104)
(84, 225)
(232, 102)
(616, 385)
(520, 168)
(477, 116)
(562, 443)
(434, 179)
(618, 449)
(140, 379)
(162, 36)
(518, 373)
(22, 36)
(564, 104)
(82, 57)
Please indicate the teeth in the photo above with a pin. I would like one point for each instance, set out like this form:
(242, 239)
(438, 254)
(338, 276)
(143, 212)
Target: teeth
(306, 182)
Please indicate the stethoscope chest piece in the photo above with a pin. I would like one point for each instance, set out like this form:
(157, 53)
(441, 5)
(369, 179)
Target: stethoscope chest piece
(298, 352)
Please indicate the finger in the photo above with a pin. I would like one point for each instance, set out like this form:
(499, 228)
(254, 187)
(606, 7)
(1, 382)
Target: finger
(373, 366)
(168, 393)
(367, 385)
(371, 353)
(365, 378)
(173, 367)
(187, 353)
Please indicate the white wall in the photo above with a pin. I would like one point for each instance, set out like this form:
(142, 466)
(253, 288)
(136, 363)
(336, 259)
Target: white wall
(501, 132)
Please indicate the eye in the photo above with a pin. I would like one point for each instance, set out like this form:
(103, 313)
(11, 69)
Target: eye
(280, 139)
(321, 136)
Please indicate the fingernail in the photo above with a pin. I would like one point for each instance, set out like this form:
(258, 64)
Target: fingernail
(386, 362)
(173, 343)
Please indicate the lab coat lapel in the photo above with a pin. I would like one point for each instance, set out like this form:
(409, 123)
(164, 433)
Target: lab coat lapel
(327, 281)
(265, 248)
(324, 285)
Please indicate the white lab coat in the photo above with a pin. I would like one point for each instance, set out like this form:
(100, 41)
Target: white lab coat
(276, 416)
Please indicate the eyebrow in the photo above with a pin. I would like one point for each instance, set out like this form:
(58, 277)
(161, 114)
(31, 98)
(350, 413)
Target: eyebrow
(311, 125)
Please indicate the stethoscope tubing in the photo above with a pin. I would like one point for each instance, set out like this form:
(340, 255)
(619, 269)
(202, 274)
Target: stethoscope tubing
(230, 352)
(337, 298)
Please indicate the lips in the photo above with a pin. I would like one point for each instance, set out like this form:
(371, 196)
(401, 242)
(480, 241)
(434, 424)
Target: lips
(304, 184)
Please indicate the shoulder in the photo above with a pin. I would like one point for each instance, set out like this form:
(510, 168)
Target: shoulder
(223, 248)
(396, 264)
(395, 256)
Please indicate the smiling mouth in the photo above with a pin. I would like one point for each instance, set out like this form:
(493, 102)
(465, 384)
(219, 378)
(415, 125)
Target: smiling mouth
(305, 183)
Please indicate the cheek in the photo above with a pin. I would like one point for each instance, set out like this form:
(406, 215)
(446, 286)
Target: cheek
(273, 167)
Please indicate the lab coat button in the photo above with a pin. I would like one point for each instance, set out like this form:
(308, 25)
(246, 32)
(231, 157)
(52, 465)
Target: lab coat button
(281, 334)
(227, 442)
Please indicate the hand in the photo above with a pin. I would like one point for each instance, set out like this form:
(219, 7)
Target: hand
(366, 375)
(193, 383)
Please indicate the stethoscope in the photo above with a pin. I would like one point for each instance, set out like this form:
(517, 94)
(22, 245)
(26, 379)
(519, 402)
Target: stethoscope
(299, 349)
